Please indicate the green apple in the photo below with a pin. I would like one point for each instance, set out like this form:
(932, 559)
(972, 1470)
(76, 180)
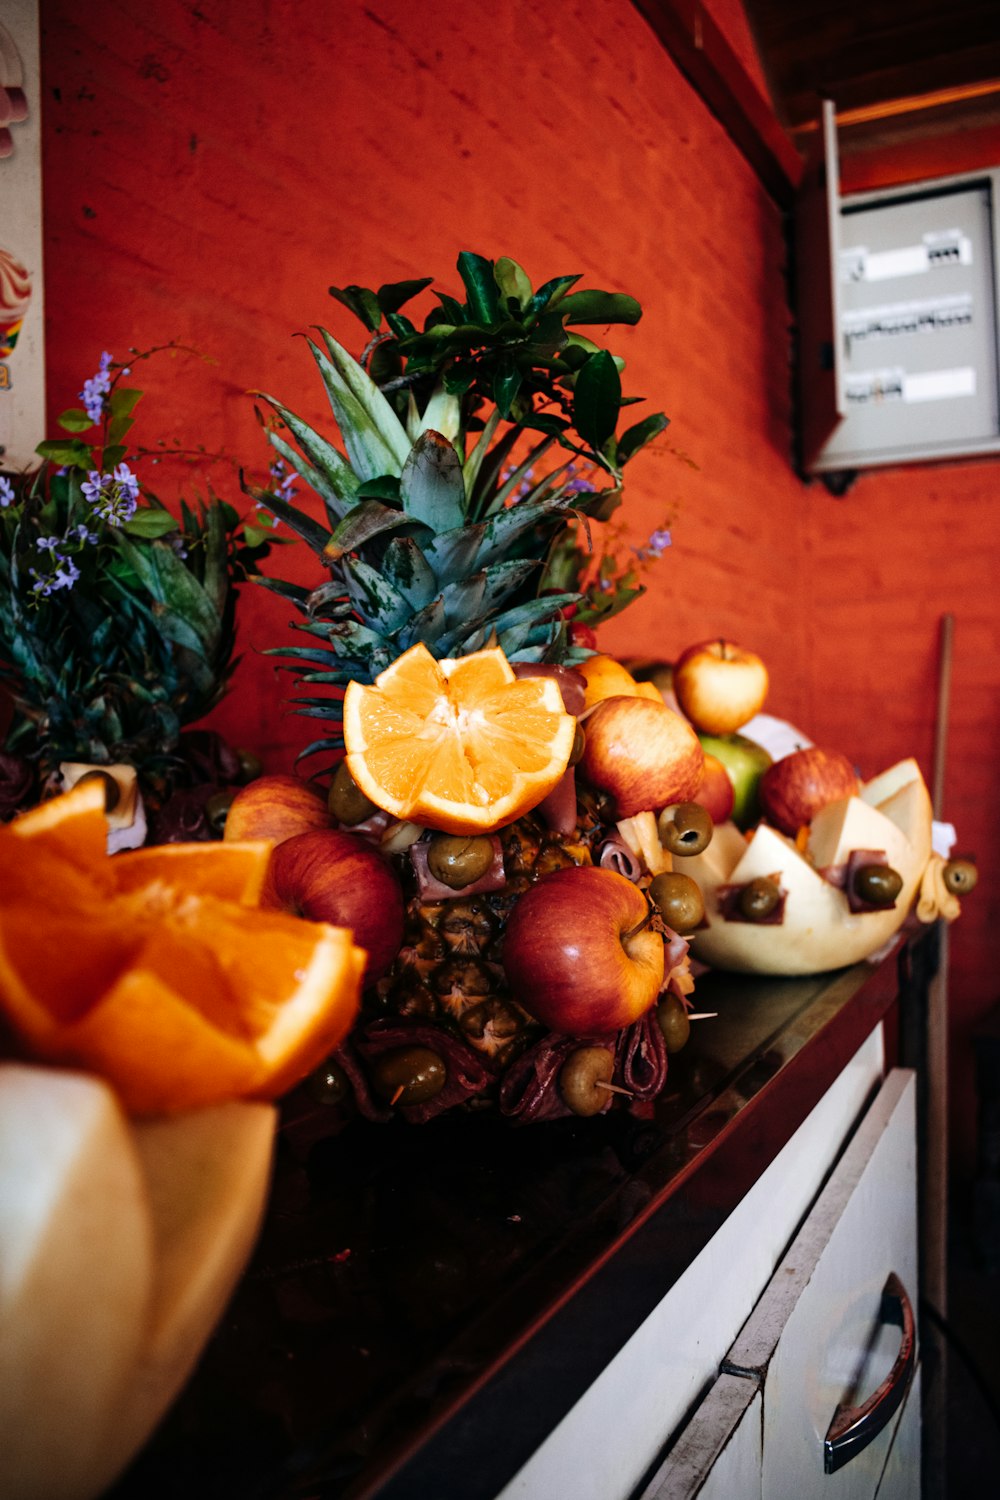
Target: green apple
(746, 762)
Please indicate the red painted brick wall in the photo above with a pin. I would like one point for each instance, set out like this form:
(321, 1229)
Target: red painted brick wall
(211, 167)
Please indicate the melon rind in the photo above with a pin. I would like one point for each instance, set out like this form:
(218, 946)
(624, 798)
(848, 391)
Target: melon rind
(819, 932)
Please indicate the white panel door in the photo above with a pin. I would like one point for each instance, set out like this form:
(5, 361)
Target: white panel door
(820, 1340)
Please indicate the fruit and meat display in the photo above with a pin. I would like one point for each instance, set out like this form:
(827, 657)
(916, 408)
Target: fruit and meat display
(493, 895)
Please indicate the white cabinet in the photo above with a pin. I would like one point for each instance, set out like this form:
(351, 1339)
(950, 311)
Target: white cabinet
(609, 1440)
(832, 1337)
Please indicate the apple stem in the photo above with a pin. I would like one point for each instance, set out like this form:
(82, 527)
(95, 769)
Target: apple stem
(612, 1088)
(722, 649)
(640, 926)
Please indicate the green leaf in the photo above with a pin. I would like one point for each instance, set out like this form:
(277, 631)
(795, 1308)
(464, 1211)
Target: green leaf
(118, 427)
(400, 325)
(512, 281)
(432, 486)
(76, 454)
(74, 420)
(393, 294)
(215, 581)
(124, 401)
(477, 275)
(362, 302)
(507, 381)
(552, 292)
(453, 310)
(600, 307)
(164, 575)
(634, 438)
(150, 523)
(597, 399)
(112, 455)
(258, 536)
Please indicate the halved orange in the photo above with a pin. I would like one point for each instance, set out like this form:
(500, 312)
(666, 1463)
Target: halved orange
(176, 988)
(461, 745)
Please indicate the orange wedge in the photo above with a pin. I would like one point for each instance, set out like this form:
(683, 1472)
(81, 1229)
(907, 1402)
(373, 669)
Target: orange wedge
(233, 871)
(158, 971)
(461, 745)
(607, 678)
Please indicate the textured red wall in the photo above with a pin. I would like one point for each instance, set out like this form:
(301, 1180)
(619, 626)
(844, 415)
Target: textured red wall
(211, 168)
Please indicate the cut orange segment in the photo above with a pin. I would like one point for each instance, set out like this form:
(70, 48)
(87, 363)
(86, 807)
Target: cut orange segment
(461, 745)
(156, 971)
(73, 826)
(233, 871)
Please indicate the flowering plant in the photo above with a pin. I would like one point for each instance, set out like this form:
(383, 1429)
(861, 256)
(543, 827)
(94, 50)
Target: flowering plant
(116, 616)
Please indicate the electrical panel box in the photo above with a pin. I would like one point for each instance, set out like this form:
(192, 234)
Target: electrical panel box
(910, 368)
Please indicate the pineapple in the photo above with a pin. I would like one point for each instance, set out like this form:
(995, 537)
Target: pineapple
(447, 518)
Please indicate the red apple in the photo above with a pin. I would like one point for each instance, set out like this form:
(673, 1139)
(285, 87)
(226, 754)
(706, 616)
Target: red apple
(719, 685)
(716, 793)
(642, 753)
(573, 958)
(332, 876)
(275, 807)
(793, 789)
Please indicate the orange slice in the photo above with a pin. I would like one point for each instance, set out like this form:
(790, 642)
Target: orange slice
(462, 745)
(607, 678)
(73, 826)
(157, 971)
(233, 871)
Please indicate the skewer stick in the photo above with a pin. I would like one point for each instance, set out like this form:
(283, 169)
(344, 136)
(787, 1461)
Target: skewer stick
(702, 1015)
(613, 1088)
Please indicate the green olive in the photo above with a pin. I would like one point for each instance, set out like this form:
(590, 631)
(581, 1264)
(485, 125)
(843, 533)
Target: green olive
(409, 1075)
(581, 1079)
(250, 766)
(877, 885)
(330, 1084)
(759, 898)
(459, 859)
(672, 1019)
(345, 799)
(579, 745)
(685, 828)
(217, 809)
(112, 791)
(679, 901)
(960, 876)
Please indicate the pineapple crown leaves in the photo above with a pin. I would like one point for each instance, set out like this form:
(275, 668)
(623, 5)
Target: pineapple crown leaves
(440, 521)
(117, 617)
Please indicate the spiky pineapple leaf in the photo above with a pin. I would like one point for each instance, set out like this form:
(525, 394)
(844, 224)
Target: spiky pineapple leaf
(406, 568)
(282, 586)
(311, 532)
(170, 583)
(368, 519)
(426, 625)
(338, 482)
(373, 435)
(463, 598)
(375, 600)
(453, 554)
(432, 486)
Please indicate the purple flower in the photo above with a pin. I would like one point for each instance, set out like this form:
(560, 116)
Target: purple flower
(47, 543)
(659, 542)
(128, 481)
(283, 481)
(114, 497)
(83, 535)
(95, 389)
(7, 496)
(66, 574)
